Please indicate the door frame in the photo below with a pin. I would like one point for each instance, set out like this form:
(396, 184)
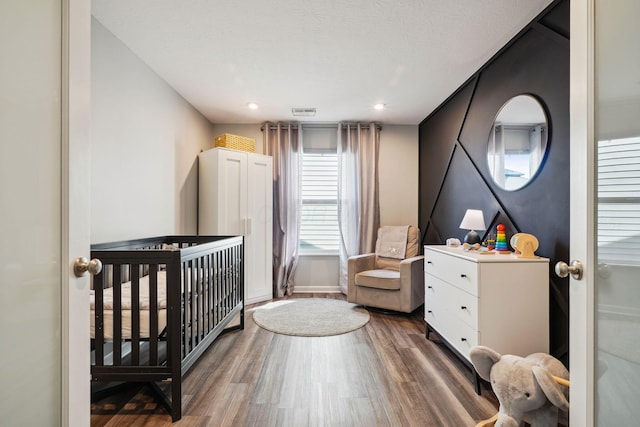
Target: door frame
(75, 166)
(582, 194)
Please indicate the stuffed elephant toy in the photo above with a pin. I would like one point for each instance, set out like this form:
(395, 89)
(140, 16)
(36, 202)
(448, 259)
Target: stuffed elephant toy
(524, 386)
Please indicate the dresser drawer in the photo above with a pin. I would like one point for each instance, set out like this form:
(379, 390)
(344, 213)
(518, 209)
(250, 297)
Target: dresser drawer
(463, 306)
(437, 318)
(436, 291)
(456, 271)
(436, 301)
(461, 336)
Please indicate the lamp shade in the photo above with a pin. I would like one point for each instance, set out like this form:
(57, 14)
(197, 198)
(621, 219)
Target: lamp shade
(473, 220)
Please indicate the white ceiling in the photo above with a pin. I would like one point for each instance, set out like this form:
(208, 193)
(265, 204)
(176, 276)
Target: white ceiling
(340, 57)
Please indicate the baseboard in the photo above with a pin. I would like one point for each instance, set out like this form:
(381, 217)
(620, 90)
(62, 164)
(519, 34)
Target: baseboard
(317, 289)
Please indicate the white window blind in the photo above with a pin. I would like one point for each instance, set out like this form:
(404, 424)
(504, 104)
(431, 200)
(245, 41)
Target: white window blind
(619, 201)
(319, 220)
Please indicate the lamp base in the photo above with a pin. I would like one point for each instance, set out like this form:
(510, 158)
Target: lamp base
(472, 237)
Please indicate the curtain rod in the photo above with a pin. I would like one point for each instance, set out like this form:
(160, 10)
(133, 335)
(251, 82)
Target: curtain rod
(321, 125)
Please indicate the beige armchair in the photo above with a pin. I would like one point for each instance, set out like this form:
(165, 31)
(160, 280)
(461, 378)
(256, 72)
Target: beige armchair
(392, 278)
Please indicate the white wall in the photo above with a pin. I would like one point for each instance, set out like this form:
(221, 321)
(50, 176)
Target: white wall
(399, 175)
(145, 142)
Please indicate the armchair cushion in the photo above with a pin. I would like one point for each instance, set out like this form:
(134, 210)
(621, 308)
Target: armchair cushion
(411, 250)
(380, 279)
(392, 241)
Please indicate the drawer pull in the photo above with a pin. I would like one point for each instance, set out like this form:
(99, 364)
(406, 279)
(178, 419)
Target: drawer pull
(429, 311)
(429, 287)
(463, 275)
(463, 339)
(429, 262)
(463, 307)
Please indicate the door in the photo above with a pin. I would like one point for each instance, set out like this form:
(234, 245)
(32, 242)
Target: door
(605, 212)
(44, 215)
(259, 230)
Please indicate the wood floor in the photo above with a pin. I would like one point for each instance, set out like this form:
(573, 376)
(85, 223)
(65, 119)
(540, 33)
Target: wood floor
(384, 374)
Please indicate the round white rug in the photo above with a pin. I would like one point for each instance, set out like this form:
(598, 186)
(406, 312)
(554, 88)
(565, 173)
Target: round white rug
(310, 317)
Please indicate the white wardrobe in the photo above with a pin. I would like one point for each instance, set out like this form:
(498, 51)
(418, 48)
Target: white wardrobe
(236, 198)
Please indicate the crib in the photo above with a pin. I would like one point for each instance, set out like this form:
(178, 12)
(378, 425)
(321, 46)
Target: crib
(158, 304)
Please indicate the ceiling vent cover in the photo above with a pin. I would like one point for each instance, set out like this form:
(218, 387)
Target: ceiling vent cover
(307, 112)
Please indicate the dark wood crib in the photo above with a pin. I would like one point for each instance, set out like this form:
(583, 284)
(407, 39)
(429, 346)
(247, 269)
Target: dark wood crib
(158, 304)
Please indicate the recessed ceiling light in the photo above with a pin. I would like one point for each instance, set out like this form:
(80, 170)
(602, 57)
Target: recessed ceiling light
(252, 106)
(379, 106)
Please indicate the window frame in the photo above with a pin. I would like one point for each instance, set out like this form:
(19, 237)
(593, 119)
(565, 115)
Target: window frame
(308, 251)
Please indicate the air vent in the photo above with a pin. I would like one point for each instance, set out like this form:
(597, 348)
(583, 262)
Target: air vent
(307, 112)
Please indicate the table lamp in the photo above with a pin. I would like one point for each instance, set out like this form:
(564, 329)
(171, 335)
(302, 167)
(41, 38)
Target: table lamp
(473, 220)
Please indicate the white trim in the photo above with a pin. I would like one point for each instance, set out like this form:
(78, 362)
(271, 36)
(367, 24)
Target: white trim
(65, 398)
(75, 210)
(317, 289)
(317, 252)
(582, 195)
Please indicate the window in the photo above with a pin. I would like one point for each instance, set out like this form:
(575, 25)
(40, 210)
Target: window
(319, 191)
(619, 201)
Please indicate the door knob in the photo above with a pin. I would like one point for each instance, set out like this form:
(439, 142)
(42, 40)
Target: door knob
(575, 269)
(82, 265)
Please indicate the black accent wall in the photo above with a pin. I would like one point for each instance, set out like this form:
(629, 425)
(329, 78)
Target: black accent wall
(453, 165)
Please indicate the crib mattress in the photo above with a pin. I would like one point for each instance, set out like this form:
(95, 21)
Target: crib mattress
(126, 308)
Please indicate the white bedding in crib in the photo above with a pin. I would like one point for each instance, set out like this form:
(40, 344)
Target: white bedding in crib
(126, 308)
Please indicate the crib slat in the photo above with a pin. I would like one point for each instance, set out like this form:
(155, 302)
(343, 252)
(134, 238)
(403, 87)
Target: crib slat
(99, 284)
(185, 314)
(188, 309)
(225, 281)
(210, 306)
(193, 331)
(153, 314)
(117, 314)
(237, 270)
(135, 315)
(201, 297)
(227, 269)
(218, 256)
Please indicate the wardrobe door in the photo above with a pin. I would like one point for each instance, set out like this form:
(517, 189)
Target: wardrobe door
(222, 182)
(232, 192)
(259, 229)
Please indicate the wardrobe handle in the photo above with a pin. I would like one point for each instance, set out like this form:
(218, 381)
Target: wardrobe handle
(463, 339)
(463, 275)
(429, 287)
(429, 311)
(429, 262)
(463, 307)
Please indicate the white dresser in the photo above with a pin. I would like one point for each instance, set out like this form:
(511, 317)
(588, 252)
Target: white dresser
(496, 300)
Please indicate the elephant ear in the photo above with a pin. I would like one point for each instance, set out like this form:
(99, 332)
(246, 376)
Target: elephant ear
(483, 358)
(551, 388)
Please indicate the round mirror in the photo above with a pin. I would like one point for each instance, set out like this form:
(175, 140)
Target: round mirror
(517, 142)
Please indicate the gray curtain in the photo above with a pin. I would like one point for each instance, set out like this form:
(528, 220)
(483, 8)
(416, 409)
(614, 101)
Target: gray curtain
(283, 142)
(358, 199)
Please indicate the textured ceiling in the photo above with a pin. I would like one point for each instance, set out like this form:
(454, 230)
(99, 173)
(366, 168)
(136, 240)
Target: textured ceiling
(340, 57)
